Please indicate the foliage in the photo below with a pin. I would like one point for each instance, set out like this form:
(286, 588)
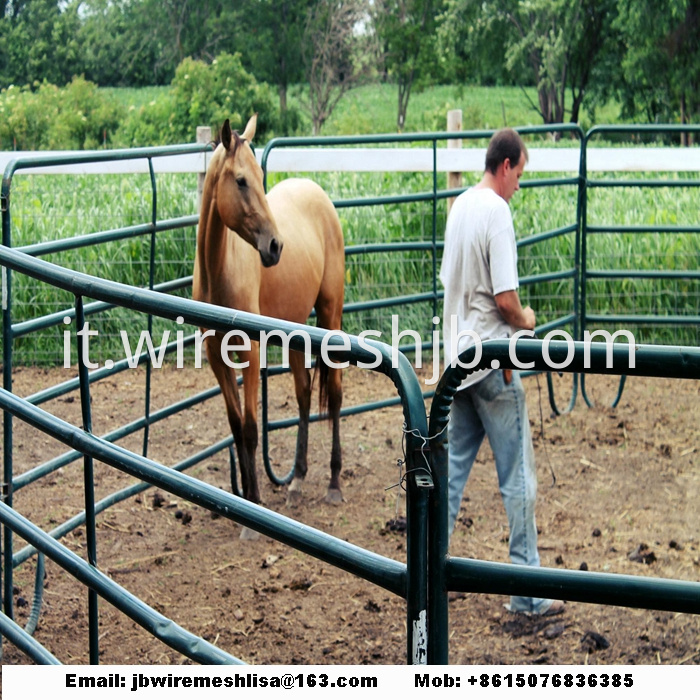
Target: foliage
(457, 57)
(38, 42)
(269, 37)
(558, 46)
(578, 54)
(139, 43)
(209, 93)
(203, 94)
(74, 117)
(80, 116)
(661, 67)
(119, 47)
(407, 31)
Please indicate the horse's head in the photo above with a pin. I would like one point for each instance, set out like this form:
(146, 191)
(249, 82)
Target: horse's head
(241, 197)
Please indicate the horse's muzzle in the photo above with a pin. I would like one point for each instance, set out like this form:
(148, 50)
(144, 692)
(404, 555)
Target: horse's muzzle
(272, 255)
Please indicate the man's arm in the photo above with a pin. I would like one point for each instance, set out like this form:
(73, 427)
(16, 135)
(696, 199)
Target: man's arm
(513, 312)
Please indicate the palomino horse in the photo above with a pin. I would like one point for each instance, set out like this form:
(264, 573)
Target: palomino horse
(278, 255)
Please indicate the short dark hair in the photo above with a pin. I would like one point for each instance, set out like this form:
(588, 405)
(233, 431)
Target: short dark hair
(505, 143)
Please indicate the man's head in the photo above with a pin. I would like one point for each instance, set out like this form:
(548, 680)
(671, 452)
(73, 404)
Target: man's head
(506, 157)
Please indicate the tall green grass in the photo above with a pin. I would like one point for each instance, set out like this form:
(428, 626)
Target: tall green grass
(50, 208)
(54, 207)
(647, 206)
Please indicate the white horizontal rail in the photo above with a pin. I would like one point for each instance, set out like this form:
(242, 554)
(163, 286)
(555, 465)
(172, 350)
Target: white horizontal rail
(343, 159)
(184, 163)
(542, 160)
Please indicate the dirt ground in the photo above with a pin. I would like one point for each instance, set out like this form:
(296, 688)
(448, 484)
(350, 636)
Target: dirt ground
(624, 500)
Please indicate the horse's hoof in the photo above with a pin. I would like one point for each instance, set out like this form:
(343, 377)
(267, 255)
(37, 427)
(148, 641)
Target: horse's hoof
(294, 494)
(334, 496)
(294, 497)
(249, 534)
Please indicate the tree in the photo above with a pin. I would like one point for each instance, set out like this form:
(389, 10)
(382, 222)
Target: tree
(270, 41)
(562, 47)
(661, 67)
(407, 32)
(128, 42)
(117, 49)
(465, 47)
(38, 42)
(332, 62)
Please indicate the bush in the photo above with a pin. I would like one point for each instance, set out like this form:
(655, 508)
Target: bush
(206, 94)
(78, 116)
(47, 117)
(149, 124)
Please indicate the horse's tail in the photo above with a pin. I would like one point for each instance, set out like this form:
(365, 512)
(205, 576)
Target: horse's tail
(324, 373)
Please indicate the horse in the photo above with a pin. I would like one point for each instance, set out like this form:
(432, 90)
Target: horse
(279, 255)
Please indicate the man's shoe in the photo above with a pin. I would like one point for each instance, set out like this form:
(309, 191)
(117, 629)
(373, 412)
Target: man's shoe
(557, 607)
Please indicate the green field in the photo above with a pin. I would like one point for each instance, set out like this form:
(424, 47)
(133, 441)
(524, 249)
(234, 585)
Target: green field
(371, 109)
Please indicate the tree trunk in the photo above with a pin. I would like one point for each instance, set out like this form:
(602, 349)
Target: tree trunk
(404, 94)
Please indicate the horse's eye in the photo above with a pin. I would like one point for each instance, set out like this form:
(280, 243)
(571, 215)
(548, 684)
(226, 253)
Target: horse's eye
(240, 181)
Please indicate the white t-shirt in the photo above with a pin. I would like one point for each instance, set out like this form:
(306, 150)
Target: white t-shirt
(480, 260)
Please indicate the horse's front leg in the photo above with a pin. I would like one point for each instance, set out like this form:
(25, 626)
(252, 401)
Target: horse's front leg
(226, 377)
(251, 381)
(302, 387)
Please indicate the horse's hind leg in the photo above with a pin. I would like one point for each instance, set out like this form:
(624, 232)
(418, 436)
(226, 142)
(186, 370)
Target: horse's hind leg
(329, 310)
(302, 387)
(335, 401)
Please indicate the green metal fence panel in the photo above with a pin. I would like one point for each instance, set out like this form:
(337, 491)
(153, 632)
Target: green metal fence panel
(428, 573)
(462, 575)
(409, 581)
(622, 253)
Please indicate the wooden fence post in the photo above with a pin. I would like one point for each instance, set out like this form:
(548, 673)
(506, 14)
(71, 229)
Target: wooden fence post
(203, 136)
(454, 123)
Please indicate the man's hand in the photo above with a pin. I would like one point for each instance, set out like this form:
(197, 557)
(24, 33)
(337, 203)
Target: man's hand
(529, 316)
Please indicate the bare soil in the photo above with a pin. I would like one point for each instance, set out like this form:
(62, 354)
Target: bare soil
(618, 493)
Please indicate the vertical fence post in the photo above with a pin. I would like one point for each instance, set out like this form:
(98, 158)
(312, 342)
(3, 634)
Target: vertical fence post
(454, 123)
(203, 136)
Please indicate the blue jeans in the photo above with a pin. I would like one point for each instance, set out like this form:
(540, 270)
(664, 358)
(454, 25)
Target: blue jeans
(498, 410)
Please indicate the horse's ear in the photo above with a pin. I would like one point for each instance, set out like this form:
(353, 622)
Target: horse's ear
(249, 132)
(226, 135)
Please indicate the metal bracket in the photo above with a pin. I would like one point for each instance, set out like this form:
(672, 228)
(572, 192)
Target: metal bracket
(423, 478)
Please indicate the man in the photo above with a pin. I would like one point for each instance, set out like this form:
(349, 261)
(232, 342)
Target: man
(480, 276)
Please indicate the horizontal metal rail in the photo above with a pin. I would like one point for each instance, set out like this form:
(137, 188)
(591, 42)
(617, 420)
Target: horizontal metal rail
(57, 318)
(645, 274)
(658, 228)
(25, 642)
(581, 586)
(640, 184)
(120, 234)
(158, 625)
(644, 320)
